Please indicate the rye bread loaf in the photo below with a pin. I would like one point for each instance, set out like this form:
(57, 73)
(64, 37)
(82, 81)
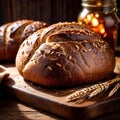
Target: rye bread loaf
(65, 54)
(13, 34)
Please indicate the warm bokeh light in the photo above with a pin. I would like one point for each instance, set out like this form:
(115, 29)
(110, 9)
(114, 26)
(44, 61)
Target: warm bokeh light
(101, 29)
(89, 17)
(94, 22)
(104, 25)
(99, 3)
(97, 15)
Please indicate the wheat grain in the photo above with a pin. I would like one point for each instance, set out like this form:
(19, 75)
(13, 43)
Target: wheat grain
(82, 93)
(94, 90)
(101, 88)
(114, 90)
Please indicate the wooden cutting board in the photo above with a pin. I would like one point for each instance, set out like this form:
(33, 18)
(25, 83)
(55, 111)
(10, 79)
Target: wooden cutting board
(54, 100)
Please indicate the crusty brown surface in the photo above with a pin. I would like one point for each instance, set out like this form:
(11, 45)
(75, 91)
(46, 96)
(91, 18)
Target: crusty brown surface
(13, 34)
(2, 42)
(65, 54)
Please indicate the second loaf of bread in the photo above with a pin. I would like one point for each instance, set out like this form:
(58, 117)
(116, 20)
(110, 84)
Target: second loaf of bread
(65, 54)
(12, 34)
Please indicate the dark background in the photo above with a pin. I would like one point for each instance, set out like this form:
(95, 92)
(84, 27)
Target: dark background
(50, 11)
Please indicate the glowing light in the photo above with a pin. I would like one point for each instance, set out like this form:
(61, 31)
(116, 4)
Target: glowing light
(99, 4)
(89, 17)
(101, 28)
(80, 23)
(96, 15)
(94, 22)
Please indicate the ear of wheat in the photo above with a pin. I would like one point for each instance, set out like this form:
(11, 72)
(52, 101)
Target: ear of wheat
(94, 90)
(114, 90)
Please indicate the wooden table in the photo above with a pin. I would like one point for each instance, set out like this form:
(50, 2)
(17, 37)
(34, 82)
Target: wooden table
(13, 110)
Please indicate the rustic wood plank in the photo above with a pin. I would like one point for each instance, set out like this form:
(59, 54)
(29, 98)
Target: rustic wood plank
(5, 11)
(64, 10)
(13, 110)
(31, 9)
(50, 11)
(54, 100)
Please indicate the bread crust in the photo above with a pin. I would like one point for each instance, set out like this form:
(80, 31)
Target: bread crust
(13, 34)
(65, 54)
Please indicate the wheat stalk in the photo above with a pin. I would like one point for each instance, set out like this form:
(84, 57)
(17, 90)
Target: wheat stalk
(114, 90)
(101, 88)
(94, 90)
(81, 93)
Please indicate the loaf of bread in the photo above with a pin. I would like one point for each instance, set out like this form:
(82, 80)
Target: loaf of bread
(65, 54)
(13, 34)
